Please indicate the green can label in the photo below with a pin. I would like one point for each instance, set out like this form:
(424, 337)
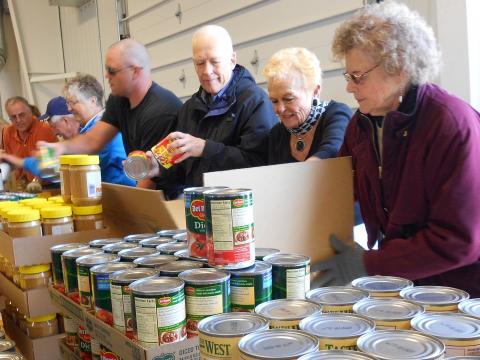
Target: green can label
(122, 308)
(69, 268)
(84, 341)
(84, 286)
(250, 291)
(160, 320)
(203, 301)
(101, 297)
(57, 272)
(290, 283)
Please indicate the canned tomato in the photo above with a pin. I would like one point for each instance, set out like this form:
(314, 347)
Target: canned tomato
(116, 248)
(128, 255)
(159, 305)
(219, 334)
(382, 286)
(172, 248)
(154, 242)
(251, 287)
(137, 165)
(291, 275)
(69, 269)
(460, 333)
(207, 292)
(84, 263)
(435, 298)
(121, 297)
(175, 268)
(100, 278)
(56, 254)
(401, 344)
(171, 232)
(95, 346)
(261, 252)
(84, 342)
(7, 345)
(336, 355)
(230, 228)
(136, 238)
(287, 313)
(163, 154)
(107, 354)
(71, 329)
(337, 331)
(389, 313)
(336, 299)
(470, 307)
(184, 255)
(279, 344)
(195, 219)
(100, 243)
(153, 261)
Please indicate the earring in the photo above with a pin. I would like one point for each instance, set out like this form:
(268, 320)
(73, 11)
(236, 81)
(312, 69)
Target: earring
(400, 97)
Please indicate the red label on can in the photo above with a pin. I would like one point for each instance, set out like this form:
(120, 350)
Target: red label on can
(197, 209)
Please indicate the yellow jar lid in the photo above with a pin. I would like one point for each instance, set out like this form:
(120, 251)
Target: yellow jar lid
(55, 198)
(4, 211)
(85, 160)
(41, 205)
(34, 269)
(8, 203)
(87, 210)
(42, 318)
(23, 215)
(54, 212)
(29, 202)
(65, 159)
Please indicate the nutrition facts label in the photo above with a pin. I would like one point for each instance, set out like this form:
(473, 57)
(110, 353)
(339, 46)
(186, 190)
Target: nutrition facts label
(117, 306)
(205, 305)
(222, 224)
(295, 279)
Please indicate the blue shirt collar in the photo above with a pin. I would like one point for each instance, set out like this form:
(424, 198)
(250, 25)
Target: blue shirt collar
(91, 122)
(208, 99)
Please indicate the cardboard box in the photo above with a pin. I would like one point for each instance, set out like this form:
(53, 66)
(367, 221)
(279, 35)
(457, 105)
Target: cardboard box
(35, 302)
(297, 206)
(33, 349)
(118, 342)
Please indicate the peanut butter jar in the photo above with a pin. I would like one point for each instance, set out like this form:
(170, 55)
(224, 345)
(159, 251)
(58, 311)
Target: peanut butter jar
(31, 277)
(42, 326)
(85, 180)
(57, 220)
(87, 217)
(24, 222)
(65, 177)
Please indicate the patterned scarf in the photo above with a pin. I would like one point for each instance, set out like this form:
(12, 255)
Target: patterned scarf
(318, 108)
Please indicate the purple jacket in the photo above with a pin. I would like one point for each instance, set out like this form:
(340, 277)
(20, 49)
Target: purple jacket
(429, 209)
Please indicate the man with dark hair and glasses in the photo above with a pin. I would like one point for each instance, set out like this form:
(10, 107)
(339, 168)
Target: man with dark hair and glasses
(141, 110)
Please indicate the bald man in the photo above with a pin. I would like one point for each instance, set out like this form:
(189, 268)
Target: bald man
(141, 110)
(225, 124)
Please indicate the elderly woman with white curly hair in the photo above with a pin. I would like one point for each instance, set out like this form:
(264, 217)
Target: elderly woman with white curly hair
(415, 151)
(308, 126)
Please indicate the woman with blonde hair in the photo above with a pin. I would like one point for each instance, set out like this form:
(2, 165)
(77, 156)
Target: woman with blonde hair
(415, 152)
(308, 126)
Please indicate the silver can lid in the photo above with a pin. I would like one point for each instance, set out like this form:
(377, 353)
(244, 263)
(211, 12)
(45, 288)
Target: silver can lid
(61, 248)
(287, 260)
(7, 345)
(259, 268)
(156, 286)
(183, 254)
(220, 193)
(336, 295)
(336, 355)
(99, 243)
(204, 276)
(381, 284)
(201, 189)
(110, 268)
(130, 275)
(12, 356)
(287, 309)
(466, 357)
(434, 295)
(116, 248)
(470, 307)
(152, 261)
(170, 232)
(388, 309)
(176, 267)
(136, 238)
(96, 259)
(336, 325)
(154, 242)
(232, 324)
(261, 252)
(278, 344)
(183, 237)
(76, 253)
(136, 252)
(172, 248)
(400, 345)
(448, 326)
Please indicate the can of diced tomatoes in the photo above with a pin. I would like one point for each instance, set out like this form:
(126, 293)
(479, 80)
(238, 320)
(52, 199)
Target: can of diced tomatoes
(230, 228)
(164, 156)
(195, 219)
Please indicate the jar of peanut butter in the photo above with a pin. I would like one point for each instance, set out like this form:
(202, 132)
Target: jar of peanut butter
(65, 177)
(42, 326)
(31, 277)
(85, 180)
(57, 220)
(4, 208)
(87, 217)
(24, 222)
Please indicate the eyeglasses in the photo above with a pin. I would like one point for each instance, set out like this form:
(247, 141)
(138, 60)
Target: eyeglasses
(357, 78)
(113, 71)
(71, 102)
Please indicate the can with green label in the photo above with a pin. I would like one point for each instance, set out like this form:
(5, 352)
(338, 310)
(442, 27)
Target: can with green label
(207, 292)
(56, 254)
(251, 287)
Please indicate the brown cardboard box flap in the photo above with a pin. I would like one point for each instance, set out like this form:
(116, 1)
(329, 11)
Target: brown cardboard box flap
(297, 206)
